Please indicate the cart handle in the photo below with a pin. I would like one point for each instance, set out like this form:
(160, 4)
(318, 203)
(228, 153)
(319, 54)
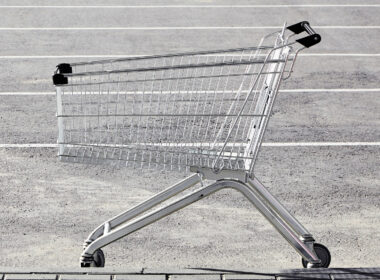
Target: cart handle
(308, 41)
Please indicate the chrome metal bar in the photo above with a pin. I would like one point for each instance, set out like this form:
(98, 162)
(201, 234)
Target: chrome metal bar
(251, 90)
(279, 208)
(146, 205)
(184, 66)
(255, 143)
(292, 65)
(169, 55)
(166, 79)
(61, 132)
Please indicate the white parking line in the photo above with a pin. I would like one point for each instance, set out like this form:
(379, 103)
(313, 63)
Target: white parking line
(272, 144)
(134, 55)
(311, 90)
(340, 54)
(177, 28)
(319, 144)
(34, 145)
(332, 90)
(189, 6)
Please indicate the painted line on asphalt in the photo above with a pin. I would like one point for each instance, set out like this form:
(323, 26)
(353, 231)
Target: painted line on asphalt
(332, 90)
(340, 54)
(271, 144)
(319, 144)
(185, 6)
(176, 28)
(34, 145)
(126, 55)
(316, 90)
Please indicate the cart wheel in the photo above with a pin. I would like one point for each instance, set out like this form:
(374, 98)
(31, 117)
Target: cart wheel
(322, 253)
(98, 260)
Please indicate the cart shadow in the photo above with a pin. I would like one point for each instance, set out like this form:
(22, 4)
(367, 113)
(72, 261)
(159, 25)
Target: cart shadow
(321, 273)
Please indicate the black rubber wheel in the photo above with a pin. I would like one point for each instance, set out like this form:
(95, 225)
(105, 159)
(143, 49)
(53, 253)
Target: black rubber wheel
(99, 259)
(323, 254)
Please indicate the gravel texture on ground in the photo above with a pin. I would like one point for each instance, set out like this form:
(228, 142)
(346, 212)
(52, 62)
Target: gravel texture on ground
(50, 207)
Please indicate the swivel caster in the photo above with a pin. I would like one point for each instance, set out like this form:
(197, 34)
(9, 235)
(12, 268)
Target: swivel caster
(322, 253)
(97, 260)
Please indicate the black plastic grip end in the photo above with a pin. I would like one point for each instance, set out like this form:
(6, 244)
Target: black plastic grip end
(59, 79)
(310, 40)
(64, 68)
(304, 26)
(298, 27)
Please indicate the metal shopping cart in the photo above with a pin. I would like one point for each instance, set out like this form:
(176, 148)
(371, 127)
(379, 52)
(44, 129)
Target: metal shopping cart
(204, 112)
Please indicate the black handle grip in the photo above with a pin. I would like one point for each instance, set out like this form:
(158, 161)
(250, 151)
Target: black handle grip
(304, 26)
(59, 77)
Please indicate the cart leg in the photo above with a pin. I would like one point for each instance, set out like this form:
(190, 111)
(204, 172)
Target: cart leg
(303, 249)
(276, 207)
(274, 204)
(146, 205)
(142, 207)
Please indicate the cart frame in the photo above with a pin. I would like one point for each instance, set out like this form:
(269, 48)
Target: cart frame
(240, 177)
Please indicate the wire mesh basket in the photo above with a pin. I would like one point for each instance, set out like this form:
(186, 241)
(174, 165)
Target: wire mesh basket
(206, 109)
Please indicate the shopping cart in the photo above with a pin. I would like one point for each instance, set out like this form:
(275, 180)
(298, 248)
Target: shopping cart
(204, 112)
